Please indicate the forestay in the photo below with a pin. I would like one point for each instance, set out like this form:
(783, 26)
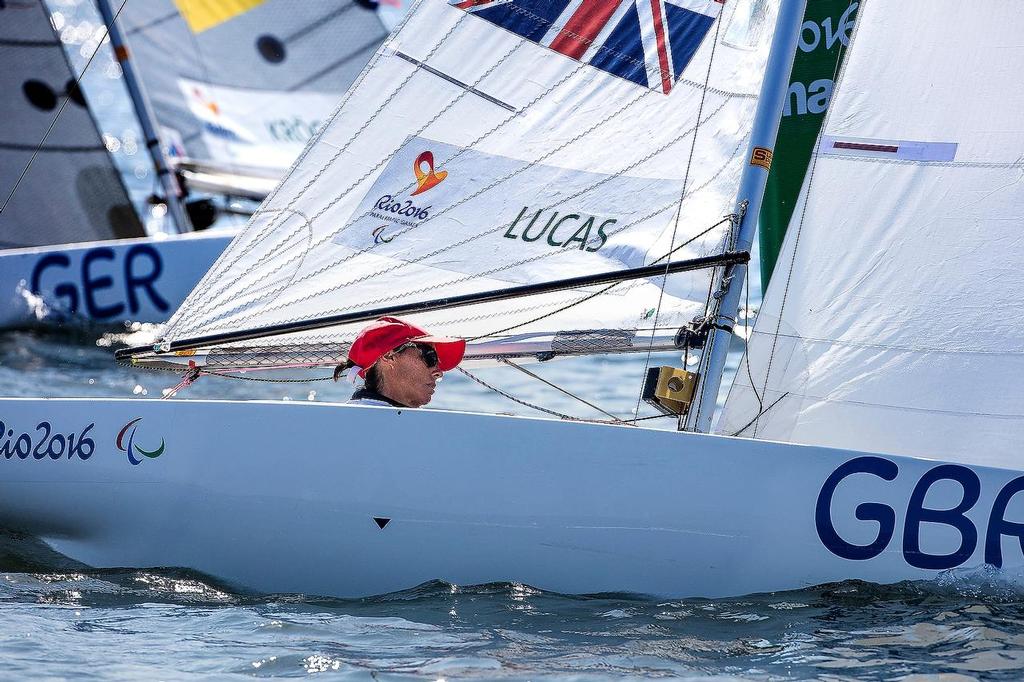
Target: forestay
(892, 323)
(494, 144)
(247, 82)
(71, 192)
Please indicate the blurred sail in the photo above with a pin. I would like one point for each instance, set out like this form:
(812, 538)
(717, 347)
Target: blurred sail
(71, 192)
(493, 144)
(248, 82)
(892, 323)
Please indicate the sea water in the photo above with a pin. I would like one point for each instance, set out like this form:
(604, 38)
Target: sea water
(62, 620)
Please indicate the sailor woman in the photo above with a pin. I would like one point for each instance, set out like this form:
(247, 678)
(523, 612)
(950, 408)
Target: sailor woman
(399, 363)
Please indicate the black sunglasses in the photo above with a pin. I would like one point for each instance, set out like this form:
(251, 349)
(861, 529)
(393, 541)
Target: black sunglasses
(427, 352)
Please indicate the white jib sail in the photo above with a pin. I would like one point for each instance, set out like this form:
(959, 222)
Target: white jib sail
(892, 322)
(498, 147)
(67, 188)
(247, 82)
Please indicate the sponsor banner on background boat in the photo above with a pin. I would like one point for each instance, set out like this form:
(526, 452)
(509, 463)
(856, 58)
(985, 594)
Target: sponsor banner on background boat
(256, 127)
(499, 211)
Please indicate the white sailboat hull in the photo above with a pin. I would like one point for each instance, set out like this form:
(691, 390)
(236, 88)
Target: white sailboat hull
(283, 497)
(141, 280)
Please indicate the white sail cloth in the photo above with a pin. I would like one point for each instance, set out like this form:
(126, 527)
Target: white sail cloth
(69, 190)
(892, 322)
(247, 82)
(469, 158)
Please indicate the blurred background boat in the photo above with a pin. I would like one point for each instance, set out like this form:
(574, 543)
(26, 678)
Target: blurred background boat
(228, 97)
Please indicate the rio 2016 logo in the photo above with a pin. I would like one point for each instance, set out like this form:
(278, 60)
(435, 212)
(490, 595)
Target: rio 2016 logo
(129, 446)
(425, 179)
(404, 213)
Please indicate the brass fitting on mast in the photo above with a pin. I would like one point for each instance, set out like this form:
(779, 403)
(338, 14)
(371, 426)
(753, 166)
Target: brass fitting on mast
(670, 390)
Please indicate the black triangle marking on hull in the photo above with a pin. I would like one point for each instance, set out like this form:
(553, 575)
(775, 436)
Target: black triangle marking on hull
(381, 521)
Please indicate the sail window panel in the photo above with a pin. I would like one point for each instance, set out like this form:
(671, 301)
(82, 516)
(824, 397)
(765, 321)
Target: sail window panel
(892, 322)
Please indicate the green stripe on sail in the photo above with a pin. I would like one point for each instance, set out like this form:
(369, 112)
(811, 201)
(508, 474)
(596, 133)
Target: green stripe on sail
(827, 27)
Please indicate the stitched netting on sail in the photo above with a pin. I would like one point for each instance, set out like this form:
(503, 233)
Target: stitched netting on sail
(551, 153)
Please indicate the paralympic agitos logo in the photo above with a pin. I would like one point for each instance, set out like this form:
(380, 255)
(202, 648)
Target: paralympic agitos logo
(395, 211)
(130, 447)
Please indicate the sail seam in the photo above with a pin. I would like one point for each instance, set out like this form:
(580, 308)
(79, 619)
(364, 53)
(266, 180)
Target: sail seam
(837, 77)
(223, 263)
(882, 346)
(889, 406)
(941, 164)
(273, 225)
(340, 262)
(210, 275)
(226, 323)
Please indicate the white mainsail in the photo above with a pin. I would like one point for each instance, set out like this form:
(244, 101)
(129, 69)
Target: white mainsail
(892, 322)
(478, 152)
(68, 189)
(247, 82)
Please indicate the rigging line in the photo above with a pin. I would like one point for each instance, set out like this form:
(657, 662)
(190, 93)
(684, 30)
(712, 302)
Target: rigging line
(222, 264)
(595, 294)
(557, 388)
(760, 414)
(679, 208)
(320, 22)
(228, 322)
(391, 155)
(193, 314)
(64, 103)
(451, 301)
(836, 79)
(338, 63)
(273, 225)
(272, 286)
(515, 399)
(746, 354)
(155, 22)
(496, 127)
(266, 380)
(707, 310)
(352, 186)
(644, 93)
(316, 273)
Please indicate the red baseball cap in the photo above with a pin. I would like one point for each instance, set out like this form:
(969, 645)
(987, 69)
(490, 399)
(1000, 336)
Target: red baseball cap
(388, 333)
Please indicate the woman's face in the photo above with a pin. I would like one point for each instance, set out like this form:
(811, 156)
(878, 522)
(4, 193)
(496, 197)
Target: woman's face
(407, 378)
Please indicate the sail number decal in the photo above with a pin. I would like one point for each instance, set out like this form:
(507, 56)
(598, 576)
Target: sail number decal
(45, 442)
(141, 268)
(918, 514)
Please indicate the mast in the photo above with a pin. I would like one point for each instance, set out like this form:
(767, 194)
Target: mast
(172, 192)
(774, 90)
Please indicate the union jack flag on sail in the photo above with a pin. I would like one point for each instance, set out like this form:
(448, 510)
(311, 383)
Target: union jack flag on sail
(648, 42)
